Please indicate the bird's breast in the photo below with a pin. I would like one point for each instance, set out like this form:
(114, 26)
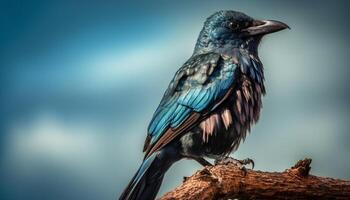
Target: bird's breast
(224, 128)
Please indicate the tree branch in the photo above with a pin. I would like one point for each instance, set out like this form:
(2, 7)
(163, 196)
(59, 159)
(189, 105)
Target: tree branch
(229, 182)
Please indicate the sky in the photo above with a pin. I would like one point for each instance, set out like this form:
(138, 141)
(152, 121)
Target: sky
(80, 80)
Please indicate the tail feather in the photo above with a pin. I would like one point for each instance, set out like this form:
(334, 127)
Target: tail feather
(148, 178)
(137, 185)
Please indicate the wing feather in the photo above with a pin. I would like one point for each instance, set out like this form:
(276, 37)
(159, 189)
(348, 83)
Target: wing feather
(196, 88)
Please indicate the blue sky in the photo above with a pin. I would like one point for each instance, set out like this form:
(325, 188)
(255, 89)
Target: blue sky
(80, 82)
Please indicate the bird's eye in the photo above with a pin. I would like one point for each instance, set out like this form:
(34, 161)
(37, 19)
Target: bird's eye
(233, 26)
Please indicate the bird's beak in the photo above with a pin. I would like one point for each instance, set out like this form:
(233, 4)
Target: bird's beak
(262, 27)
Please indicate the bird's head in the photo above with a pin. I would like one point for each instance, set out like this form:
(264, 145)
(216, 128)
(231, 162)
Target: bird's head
(231, 29)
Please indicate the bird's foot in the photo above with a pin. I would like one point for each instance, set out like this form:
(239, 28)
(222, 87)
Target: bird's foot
(239, 163)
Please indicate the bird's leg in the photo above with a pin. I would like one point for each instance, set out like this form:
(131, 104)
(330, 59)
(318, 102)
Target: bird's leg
(203, 162)
(239, 163)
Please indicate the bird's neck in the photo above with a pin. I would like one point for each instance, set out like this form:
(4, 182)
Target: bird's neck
(207, 44)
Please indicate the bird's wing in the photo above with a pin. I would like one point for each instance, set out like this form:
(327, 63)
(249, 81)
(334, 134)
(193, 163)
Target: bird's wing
(198, 86)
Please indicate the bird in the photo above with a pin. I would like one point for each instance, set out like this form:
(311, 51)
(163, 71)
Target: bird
(210, 104)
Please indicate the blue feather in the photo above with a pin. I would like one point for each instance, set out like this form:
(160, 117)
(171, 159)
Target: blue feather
(143, 168)
(202, 104)
(175, 109)
(195, 95)
(180, 117)
(199, 98)
(246, 61)
(252, 73)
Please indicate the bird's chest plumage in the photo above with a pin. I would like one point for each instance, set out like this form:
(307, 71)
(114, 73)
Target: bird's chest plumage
(225, 127)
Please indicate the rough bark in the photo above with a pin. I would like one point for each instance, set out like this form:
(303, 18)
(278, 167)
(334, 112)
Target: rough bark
(229, 182)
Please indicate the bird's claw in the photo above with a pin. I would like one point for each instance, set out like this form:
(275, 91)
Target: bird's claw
(248, 161)
(239, 163)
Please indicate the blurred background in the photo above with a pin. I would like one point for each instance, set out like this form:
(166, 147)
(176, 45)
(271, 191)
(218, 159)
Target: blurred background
(79, 83)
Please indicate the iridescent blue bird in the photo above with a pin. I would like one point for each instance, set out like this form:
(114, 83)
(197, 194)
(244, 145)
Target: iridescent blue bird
(210, 104)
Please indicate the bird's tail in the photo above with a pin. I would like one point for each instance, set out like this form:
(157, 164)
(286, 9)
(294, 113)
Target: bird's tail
(147, 180)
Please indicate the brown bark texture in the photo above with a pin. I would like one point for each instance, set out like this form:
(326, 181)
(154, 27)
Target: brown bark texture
(230, 182)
